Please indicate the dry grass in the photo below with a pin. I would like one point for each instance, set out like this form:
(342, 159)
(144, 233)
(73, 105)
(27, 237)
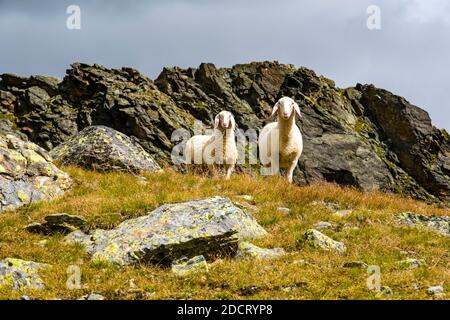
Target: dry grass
(105, 200)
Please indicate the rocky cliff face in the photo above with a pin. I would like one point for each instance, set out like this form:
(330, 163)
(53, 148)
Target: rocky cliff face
(362, 136)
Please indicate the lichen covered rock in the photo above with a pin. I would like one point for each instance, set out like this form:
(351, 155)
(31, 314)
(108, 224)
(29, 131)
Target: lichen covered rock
(319, 240)
(27, 174)
(104, 149)
(440, 224)
(209, 227)
(411, 263)
(249, 250)
(19, 274)
(184, 266)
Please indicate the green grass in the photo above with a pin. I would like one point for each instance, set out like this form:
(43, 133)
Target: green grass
(370, 234)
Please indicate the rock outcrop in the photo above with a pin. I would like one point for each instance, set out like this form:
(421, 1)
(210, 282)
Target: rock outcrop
(210, 227)
(440, 224)
(27, 174)
(360, 136)
(104, 149)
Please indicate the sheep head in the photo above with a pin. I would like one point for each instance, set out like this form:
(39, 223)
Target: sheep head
(286, 107)
(225, 120)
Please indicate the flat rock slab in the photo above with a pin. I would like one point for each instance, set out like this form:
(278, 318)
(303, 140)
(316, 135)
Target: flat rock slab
(27, 174)
(104, 149)
(19, 274)
(210, 227)
(58, 223)
(440, 224)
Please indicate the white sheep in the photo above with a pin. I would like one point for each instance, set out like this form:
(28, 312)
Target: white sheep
(283, 136)
(216, 149)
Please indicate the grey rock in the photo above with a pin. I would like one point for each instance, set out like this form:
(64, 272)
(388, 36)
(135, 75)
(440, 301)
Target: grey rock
(440, 224)
(19, 274)
(435, 291)
(92, 296)
(411, 263)
(343, 213)
(184, 266)
(249, 250)
(210, 227)
(104, 149)
(27, 174)
(319, 240)
(323, 225)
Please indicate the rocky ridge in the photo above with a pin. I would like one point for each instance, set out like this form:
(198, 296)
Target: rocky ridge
(361, 136)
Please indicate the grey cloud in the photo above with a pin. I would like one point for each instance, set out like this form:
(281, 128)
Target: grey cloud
(408, 56)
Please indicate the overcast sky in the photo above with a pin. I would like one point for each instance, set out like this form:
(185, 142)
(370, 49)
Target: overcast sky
(409, 55)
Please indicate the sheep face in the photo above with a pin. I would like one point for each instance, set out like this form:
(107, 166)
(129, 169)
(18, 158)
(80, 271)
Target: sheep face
(224, 121)
(286, 108)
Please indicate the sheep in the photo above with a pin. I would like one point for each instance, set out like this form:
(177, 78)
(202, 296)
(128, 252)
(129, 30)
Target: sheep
(218, 148)
(284, 136)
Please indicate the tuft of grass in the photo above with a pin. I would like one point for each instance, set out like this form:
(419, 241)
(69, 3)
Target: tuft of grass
(107, 199)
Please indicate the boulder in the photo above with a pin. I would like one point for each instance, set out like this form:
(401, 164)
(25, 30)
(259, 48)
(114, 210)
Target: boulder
(19, 274)
(27, 174)
(319, 240)
(104, 149)
(210, 227)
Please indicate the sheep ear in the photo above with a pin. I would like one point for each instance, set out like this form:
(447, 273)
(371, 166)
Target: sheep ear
(275, 109)
(297, 109)
(233, 123)
(216, 121)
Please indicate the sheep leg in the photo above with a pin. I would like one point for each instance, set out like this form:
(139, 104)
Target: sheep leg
(230, 169)
(290, 171)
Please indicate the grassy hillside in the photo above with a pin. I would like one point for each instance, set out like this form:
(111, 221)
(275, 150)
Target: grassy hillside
(370, 233)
